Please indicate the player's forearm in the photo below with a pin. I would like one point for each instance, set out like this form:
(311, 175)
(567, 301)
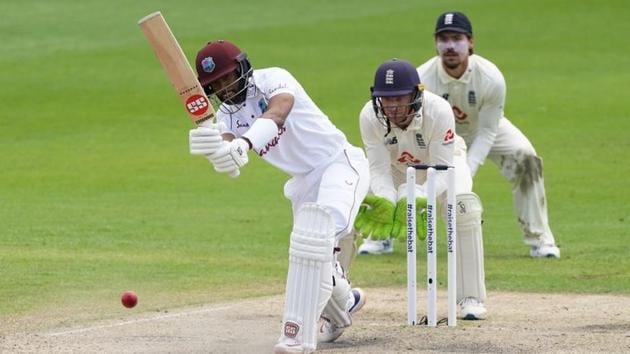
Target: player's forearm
(479, 150)
(381, 181)
(279, 108)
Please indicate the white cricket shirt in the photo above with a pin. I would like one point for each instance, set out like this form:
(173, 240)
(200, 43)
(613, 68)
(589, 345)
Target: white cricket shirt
(429, 139)
(477, 98)
(308, 138)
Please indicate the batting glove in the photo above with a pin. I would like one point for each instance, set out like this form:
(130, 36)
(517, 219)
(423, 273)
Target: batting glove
(231, 156)
(204, 140)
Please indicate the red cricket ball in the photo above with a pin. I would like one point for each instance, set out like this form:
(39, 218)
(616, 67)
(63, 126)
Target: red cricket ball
(129, 299)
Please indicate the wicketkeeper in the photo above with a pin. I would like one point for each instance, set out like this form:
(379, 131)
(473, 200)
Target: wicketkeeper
(268, 112)
(404, 125)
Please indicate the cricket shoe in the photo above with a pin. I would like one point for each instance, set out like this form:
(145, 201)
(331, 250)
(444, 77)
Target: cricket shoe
(472, 309)
(376, 247)
(289, 346)
(544, 251)
(328, 331)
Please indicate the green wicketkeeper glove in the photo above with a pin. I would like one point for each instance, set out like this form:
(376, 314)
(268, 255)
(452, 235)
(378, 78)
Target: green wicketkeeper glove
(399, 230)
(375, 218)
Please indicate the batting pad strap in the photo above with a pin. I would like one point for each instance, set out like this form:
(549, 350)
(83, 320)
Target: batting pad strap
(310, 248)
(261, 132)
(311, 237)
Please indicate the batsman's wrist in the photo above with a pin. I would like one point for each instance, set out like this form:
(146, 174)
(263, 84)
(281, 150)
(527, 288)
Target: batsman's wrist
(261, 132)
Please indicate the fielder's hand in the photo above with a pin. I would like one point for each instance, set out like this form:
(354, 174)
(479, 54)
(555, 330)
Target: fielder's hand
(205, 140)
(231, 156)
(399, 230)
(375, 218)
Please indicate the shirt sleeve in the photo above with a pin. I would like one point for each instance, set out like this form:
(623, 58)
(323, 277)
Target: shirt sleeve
(381, 181)
(278, 81)
(489, 116)
(442, 144)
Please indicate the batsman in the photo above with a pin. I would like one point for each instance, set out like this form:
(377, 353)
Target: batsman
(405, 125)
(268, 112)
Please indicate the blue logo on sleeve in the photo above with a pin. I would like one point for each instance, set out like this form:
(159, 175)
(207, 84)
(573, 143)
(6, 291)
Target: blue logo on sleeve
(262, 104)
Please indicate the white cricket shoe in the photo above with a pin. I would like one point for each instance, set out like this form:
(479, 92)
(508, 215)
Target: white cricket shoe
(472, 309)
(288, 346)
(544, 251)
(376, 247)
(328, 331)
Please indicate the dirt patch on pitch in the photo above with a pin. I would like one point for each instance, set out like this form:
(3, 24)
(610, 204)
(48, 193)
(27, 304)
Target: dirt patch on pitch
(516, 323)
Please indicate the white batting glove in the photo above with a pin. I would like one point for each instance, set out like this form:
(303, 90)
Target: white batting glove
(231, 156)
(205, 140)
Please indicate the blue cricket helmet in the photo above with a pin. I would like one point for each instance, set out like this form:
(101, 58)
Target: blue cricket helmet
(395, 77)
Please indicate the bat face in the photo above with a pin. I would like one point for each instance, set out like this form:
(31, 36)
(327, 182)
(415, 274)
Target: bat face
(177, 68)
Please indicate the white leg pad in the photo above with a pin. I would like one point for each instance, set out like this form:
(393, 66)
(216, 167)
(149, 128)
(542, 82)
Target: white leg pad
(336, 309)
(470, 268)
(309, 282)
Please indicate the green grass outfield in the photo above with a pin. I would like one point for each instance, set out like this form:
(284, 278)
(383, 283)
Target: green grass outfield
(98, 193)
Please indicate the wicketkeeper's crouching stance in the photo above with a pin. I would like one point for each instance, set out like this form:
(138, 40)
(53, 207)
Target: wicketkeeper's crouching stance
(269, 112)
(404, 125)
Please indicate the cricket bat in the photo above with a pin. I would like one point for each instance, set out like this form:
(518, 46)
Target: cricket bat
(178, 70)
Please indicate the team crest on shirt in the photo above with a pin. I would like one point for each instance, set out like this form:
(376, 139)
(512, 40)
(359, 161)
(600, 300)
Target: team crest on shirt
(420, 141)
(472, 99)
(449, 137)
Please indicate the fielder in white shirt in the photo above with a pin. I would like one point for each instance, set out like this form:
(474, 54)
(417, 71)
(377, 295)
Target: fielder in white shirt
(267, 111)
(475, 88)
(405, 125)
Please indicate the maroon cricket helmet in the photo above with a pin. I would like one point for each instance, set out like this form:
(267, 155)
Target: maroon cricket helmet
(216, 60)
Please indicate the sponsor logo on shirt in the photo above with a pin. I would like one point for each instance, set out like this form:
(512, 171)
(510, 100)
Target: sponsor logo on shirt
(280, 86)
(408, 159)
(445, 96)
(459, 114)
(273, 142)
(420, 141)
(391, 141)
(241, 125)
(449, 137)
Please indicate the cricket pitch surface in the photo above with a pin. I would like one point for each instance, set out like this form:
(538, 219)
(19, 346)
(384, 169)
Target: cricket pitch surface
(517, 322)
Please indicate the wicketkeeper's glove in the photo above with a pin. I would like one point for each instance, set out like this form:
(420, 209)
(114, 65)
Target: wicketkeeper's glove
(375, 218)
(399, 230)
